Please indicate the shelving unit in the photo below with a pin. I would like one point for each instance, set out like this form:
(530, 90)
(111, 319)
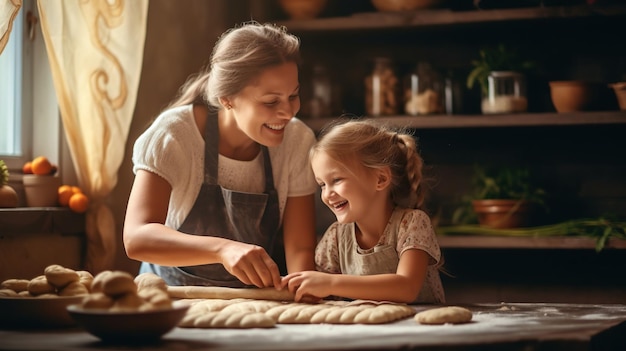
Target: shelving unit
(578, 153)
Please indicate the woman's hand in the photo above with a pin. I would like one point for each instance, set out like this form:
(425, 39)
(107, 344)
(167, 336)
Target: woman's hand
(308, 285)
(251, 264)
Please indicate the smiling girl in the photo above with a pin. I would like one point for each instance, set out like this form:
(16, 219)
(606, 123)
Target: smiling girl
(382, 246)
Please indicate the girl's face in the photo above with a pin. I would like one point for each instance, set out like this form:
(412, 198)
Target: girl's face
(263, 108)
(348, 192)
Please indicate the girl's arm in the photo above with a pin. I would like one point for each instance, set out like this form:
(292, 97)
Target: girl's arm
(146, 238)
(403, 286)
(299, 233)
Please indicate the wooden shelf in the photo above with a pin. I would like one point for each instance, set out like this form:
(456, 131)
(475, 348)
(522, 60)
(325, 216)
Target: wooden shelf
(506, 242)
(487, 121)
(441, 17)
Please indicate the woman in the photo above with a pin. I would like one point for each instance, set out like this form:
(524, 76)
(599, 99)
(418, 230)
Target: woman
(224, 168)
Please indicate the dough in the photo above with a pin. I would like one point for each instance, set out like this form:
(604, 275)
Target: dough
(118, 283)
(156, 298)
(335, 312)
(60, 276)
(8, 293)
(224, 319)
(40, 285)
(85, 278)
(74, 289)
(150, 280)
(97, 301)
(16, 285)
(98, 281)
(442, 315)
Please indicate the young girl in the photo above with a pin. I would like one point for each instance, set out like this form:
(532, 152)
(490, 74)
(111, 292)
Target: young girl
(382, 247)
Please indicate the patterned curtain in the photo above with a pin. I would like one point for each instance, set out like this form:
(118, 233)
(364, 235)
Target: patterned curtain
(95, 49)
(8, 11)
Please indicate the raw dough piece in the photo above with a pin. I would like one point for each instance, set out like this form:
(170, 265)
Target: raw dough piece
(16, 285)
(97, 301)
(85, 278)
(442, 315)
(119, 283)
(60, 276)
(8, 293)
(40, 285)
(150, 280)
(223, 319)
(74, 289)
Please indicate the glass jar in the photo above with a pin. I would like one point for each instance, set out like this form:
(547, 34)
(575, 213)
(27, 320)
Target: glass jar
(423, 91)
(506, 93)
(381, 89)
(320, 102)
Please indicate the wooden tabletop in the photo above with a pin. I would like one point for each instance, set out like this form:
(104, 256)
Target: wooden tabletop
(497, 326)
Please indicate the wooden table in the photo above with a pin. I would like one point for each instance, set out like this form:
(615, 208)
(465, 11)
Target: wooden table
(505, 326)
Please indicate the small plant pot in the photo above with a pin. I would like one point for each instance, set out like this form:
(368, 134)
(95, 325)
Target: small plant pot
(41, 190)
(571, 95)
(620, 93)
(502, 214)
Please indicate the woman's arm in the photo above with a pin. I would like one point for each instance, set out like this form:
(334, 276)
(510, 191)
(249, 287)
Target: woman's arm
(299, 233)
(146, 238)
(403, 286)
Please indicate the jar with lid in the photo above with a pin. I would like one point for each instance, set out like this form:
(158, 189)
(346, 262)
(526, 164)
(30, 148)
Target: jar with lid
(320, 102)
(382, 88)
(423, 91)
(506, 93)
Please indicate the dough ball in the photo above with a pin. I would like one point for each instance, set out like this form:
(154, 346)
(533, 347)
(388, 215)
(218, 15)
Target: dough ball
(8, 293)
(74, 289)
(97, 283)
(442, 315)
(155, 297)
(60, 276)
(119, 283)
(85, 278)
(40, 285)
(150, 280)
(16, 285)
(97, 301)
(127, 302)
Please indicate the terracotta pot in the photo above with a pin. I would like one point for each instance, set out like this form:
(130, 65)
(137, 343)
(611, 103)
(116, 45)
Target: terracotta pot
(502, 214)
(303, 9)
(404, 5)
(620, 93)
(41, 190)
(571, 95)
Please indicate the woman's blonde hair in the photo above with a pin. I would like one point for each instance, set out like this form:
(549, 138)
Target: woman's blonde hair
(239, 55)
(375, 146)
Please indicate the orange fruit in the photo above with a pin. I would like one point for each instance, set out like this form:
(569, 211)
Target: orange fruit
(79, 202)
(65, 193)
(41, 166)
(27, 168)
(76, 189)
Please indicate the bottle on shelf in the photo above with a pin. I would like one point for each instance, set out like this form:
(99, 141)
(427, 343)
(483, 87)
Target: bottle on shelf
(321, 100)
(382, 89)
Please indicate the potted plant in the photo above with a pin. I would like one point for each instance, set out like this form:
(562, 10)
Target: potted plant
(500, 72)
(504, 197)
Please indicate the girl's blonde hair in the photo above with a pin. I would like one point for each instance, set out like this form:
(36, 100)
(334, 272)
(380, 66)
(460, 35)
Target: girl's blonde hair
(239, 55)
(376, 146)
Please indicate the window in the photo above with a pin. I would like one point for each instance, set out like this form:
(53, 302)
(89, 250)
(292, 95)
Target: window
(14, 68)
(29, 118)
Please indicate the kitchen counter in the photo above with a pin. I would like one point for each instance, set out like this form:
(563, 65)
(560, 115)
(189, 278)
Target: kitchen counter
(504, 326)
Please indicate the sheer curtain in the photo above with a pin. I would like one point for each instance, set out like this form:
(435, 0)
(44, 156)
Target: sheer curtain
(8, 11)
(95, 48)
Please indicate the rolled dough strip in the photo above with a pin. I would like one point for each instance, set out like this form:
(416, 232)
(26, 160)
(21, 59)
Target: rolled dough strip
(443, 315)
(217, 292)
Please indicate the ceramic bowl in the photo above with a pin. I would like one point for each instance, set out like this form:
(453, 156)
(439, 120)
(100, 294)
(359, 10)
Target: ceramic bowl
(571, 95)
(404, 5)
(303, 9)
(128, 326)
(36, 312)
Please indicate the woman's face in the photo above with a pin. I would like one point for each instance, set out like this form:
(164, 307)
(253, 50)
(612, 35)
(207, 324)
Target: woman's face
(348, 192)
(264, 107)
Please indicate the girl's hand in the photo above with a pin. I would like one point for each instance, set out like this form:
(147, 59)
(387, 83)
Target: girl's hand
(308, 285)
(251, 264)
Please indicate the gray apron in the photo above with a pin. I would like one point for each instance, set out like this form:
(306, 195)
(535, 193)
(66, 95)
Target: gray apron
(245, 217)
